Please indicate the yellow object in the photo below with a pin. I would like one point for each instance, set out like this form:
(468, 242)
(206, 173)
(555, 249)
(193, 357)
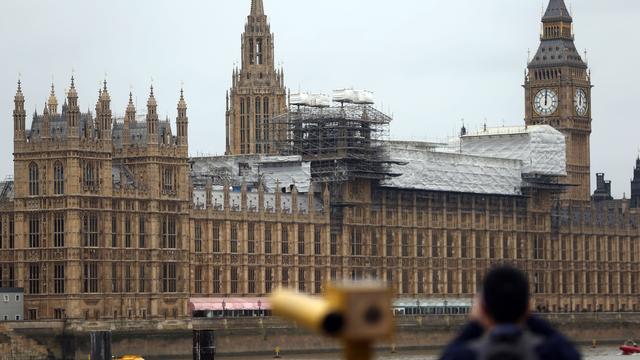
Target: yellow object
(310, 312)
(357, 313)
(131, 357)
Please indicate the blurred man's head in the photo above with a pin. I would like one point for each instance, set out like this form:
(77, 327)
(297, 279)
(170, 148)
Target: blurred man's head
(505, 295)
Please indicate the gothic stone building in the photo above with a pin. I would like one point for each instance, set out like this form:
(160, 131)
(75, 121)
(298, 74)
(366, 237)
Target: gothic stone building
(108, 218)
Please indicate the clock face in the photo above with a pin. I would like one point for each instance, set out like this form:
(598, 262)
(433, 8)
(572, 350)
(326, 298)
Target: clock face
(546, 102)
(581, 102)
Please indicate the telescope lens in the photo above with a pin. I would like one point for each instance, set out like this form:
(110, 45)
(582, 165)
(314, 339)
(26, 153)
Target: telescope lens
(373, 315)
(333, 324)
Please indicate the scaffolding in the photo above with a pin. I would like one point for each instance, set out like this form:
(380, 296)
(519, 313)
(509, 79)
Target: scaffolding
(342, 142)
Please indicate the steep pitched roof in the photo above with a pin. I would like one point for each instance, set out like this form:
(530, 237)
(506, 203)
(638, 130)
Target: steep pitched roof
(557, 11)
(557, 52)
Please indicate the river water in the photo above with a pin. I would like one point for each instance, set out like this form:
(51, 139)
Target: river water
(600, 353)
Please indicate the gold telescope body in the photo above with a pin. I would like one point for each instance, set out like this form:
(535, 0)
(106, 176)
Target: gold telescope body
(357, 313)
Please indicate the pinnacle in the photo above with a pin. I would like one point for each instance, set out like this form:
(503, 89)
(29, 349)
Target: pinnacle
(257, 8)
(182, 104)
(152, 99)
(130, 107)
(72, 90)
(19, 96)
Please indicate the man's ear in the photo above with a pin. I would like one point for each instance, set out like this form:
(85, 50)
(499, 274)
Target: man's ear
(485, 319)
(527, 313)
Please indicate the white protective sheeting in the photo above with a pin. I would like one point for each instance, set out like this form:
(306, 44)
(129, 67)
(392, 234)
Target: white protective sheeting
(288, 170)
(440, 171)
(313, 100)
(353, 96)
(541, 148)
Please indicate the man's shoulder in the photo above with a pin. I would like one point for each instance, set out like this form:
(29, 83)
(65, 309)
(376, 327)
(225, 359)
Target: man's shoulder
(555, 345)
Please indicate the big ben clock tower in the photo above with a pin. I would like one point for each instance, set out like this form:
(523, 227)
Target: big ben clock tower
(558, 93)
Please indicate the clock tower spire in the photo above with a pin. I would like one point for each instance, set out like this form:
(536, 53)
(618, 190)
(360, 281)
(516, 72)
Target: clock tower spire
(558, 93)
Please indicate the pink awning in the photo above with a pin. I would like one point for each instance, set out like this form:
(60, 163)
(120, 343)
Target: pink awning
(219, 304)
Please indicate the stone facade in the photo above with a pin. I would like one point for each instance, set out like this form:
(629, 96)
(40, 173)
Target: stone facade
(99, 210)
(101, 223)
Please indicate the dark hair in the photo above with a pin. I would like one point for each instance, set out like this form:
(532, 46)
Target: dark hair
(505, 294)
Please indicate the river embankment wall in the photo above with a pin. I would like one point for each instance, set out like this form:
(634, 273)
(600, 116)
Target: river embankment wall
(172, 339)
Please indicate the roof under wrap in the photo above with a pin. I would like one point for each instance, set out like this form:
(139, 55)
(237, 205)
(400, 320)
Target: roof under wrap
(441, 171)
(541, 148)
(289, 170)
(6, 191)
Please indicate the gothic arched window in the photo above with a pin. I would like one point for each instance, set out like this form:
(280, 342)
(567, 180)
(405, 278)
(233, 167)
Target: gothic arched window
(265, 119)
(58, 178)
(89, 175)
(259, 52)
(258, 113)
(34, 180)
(251, 54)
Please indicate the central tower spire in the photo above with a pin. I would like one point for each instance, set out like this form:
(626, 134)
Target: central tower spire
(257, 93)
(257, 8)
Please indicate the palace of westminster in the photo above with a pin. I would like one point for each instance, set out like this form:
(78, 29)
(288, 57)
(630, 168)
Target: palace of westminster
(109, 218)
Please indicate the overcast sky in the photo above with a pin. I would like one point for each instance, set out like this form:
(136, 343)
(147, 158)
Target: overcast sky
(430, 62)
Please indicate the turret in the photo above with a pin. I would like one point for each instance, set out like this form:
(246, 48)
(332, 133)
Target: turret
(326, 195)
(52, 103)
(260, 195)
(152, 119)
(45, 131)
(243, 195)
(19, 116)
(208, 189)
(104, 115)
(73, 112)
(182, 121)
(635, 186)
(129, 119)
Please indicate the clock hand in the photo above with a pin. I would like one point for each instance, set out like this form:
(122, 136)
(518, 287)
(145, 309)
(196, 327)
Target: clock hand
(546, 96)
